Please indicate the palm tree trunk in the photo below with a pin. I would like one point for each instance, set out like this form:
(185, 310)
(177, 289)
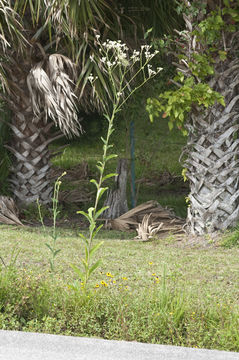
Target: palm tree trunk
(212, 158)
(30, 173)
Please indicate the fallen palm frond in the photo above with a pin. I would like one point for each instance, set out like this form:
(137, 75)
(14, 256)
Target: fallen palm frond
(8, 211)
(146, 231)
(148, 219)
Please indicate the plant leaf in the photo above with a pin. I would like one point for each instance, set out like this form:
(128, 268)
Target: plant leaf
(96, 247)
(95, 266)
(77, 271)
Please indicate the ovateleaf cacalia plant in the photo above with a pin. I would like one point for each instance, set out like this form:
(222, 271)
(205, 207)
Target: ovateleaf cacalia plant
(127, 71)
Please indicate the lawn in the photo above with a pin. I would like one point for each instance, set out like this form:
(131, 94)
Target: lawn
(163, 291)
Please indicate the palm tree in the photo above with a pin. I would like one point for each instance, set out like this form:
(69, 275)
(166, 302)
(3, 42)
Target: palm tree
(40, 43)
(213, 146)
(207, 66)
(38, 80)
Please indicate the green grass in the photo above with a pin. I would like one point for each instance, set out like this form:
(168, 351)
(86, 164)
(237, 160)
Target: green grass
(231, 238)
(160, 292)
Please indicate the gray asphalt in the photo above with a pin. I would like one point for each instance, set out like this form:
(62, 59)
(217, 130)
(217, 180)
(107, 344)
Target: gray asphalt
(32, 346)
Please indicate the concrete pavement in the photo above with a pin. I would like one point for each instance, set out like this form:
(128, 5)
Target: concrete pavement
(16, 345)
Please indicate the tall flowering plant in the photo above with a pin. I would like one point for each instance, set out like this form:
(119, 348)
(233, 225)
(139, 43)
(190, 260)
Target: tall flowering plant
(127, 71)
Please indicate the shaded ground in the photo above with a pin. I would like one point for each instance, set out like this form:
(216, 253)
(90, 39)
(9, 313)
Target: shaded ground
(77, 193)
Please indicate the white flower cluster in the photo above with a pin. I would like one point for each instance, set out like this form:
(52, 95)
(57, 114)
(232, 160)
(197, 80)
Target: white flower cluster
(153, 72)
(146, 50)
(116, 53)
(136, 56)
(116, 56)
(92, 78)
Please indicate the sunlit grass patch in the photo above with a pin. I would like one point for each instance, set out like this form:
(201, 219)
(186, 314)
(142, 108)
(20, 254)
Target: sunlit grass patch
(151, 292)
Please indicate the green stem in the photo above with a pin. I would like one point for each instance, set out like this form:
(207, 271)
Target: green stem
(110, 120)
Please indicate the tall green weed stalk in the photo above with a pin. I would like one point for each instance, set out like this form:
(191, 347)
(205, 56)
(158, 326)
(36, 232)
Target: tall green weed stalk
(55, 212)
(124, 70)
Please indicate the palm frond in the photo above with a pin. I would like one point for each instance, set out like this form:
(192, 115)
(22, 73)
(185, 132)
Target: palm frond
(51, 90)
(11, 33)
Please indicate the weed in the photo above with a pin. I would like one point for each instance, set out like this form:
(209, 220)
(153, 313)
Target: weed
(113, 59)
(55, 212)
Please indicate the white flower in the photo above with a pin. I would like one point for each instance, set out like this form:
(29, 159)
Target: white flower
(91, 78)
(97, 37)
(150, 71)
(103, 59)
(146, 47)
(92, 58)
(135, 58)
(148, 55)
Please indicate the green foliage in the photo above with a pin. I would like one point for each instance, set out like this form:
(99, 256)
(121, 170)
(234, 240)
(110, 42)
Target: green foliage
(231, 239)
(178, 103)
(194, 89)
(13, 259)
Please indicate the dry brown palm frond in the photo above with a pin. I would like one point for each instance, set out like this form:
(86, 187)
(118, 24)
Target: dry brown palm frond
(8, 211)
(146, 231)
(132, 218)
(51, 90)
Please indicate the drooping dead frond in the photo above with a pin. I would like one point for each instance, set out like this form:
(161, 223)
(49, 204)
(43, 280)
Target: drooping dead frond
(51, 91)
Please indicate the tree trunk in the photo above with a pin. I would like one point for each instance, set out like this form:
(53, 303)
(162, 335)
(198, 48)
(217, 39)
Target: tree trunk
(116, 199)
(212, 158)
(30, 174)
(31, 171)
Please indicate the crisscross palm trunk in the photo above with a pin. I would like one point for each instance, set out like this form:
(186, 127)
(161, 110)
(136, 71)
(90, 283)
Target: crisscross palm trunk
(212, 158)
(213, 149)
(31, 172)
